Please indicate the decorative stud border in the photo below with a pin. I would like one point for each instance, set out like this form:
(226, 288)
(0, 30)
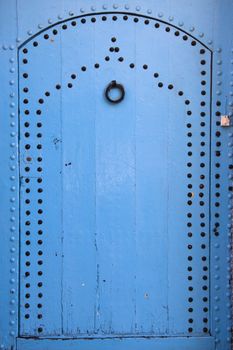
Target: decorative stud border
(221, 210)
(13, 248)
(129, 9)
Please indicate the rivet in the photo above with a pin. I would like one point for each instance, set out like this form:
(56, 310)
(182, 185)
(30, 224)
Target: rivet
(11, 82)
(228, 340)
(171, 18)
(12, 114)
(12, 60)
(201, 35)
(191, 29)
(59, 16)
(12, 167)
(12, 144)
(230, 155)
(104, 7)
(160, 14)
(12, 219)
(115, 6)
(231, 61)
(12, 157)
(40, 26)
(219, 83)
(13, 133)
(1, 346)
(216, 319)
(12, 270)
(216, 267)
(181, 23)
(12, 250)
(216, 341)
(138, 8)
(71, 13)
(229, 317)
(228, 259)
(12, 177)
(12, 47)
(216, 245)
(12, 208)
(12, 302)
(219, 49)
(216, 330)
(12, 312)
(12, 199)
(12, 239)
(12, 260)
(231, 93)
(210, 42)
(216, 308)
(82, 10)
(12, 70)
(50, 21)
(18, 40)
(229, 225)
(219, 62)
(216, 257)
(216, 277)
(5, 47)
(219, 73)
(149, 11)
(218, 92)
(231, 73)
(127, 7)
(12, 333)
(231, 83)
(29, 32)
(12, 322)
(216, 287)
(230, 134)
(12, 94)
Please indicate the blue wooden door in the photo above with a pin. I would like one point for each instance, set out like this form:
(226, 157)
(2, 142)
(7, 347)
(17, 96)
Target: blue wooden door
(120, 185)
(114, 196)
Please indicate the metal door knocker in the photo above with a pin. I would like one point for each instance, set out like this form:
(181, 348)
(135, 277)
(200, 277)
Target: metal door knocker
(115, 86)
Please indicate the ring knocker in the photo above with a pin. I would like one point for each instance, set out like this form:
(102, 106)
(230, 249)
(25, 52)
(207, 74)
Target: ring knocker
(114, 85)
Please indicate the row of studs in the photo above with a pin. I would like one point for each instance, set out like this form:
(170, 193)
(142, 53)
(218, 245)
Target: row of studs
(13, 201)
(217, 231)
(73, 23)
(202, 203)
(32, 229)
(203, 195)
(13, 189)
(106, 7)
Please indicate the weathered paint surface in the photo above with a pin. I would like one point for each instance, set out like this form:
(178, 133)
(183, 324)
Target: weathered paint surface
(120, 213)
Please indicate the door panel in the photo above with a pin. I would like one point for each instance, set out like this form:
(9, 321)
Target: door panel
(114, 197)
